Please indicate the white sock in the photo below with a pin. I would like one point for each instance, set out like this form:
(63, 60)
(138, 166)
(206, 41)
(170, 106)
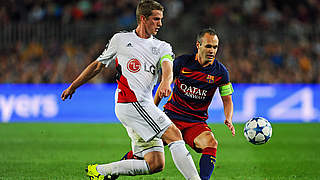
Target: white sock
(129, 167)
(183, 160)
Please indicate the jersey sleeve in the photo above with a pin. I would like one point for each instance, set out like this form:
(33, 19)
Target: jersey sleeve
(109, 52)
(225, 86)
(177, 66)
(166, 54)
(225, 79)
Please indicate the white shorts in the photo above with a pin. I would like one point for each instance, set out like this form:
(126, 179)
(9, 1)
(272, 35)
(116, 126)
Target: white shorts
(145, 124)
(140, 147)
(145, 118)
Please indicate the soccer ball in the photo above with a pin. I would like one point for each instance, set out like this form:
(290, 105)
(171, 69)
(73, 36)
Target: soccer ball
(258, 130)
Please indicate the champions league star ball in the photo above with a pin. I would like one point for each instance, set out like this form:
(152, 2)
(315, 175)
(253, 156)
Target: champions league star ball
(258, 130)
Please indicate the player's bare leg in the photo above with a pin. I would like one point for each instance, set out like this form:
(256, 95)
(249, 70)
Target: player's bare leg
(149, 163)
(155, 160)
(149, 158)
(208, 145)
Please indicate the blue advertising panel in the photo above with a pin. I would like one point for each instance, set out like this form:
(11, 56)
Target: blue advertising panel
(95, 103)
(42, 103)
(276, 102)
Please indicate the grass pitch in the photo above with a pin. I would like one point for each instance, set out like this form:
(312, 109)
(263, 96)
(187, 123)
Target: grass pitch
(30, 151)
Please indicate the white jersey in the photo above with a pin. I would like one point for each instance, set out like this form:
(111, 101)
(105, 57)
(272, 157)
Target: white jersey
(138, 62)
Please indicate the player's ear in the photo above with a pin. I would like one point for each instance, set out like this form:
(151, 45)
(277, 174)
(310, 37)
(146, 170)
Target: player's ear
(143, 18)
(198, 44)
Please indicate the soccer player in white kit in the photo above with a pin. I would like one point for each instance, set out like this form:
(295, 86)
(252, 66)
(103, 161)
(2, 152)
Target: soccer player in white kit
(139, 57)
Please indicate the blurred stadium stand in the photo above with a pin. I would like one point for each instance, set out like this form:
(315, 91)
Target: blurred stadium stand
(51, 41)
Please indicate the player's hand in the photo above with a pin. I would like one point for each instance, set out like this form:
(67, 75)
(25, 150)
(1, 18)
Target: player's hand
(164, 89)
(67, 93)
(228, 122)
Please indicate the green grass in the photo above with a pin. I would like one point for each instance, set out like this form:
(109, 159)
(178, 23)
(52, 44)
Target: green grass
(31, 151)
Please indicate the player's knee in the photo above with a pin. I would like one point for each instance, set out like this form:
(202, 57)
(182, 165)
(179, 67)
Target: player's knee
(173, 130)
(213, 143)
(172, 134)
(155, 161)
(156, 166)
(205, 140)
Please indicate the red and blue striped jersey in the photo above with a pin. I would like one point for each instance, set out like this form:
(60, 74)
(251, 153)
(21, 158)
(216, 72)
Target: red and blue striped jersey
(194, 88)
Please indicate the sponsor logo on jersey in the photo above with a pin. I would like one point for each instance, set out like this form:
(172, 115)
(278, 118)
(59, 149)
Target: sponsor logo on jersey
(193, 92)
(155, 50)
(134, 65)
(150, 68)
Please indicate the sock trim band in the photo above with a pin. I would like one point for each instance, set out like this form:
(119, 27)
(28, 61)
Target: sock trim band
(210, 151)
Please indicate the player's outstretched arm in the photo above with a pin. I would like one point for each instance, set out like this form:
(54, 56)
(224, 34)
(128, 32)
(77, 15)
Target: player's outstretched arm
(166, 79)
(88, 73)
(228, 112)
(164, 89)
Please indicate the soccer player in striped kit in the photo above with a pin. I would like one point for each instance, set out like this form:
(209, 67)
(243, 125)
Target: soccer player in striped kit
(197, 77)
(139, 57)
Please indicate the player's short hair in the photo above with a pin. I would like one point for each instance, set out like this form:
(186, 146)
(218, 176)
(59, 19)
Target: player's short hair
(209, 30)
(145, 8)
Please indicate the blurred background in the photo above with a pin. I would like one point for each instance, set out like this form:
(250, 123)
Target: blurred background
(51, 41)
(261, 42)
(270, 47)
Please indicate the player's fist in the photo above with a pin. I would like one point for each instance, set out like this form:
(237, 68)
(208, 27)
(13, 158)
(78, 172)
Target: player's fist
(67, 93)
(164, 89)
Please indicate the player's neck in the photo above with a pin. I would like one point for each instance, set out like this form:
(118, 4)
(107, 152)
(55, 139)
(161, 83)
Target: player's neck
(202, 63)
(141, 32)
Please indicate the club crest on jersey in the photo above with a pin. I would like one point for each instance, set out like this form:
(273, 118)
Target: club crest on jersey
(155, 50)
(210, 79)
(134, 65)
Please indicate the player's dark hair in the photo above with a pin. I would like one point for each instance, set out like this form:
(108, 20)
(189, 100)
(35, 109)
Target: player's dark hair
(145, 8)
(210, 31)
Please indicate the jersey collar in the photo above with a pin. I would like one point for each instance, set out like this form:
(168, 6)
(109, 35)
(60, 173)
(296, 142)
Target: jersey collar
(135, 33)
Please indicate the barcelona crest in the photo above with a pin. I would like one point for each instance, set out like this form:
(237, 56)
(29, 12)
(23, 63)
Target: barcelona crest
(210, 79)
